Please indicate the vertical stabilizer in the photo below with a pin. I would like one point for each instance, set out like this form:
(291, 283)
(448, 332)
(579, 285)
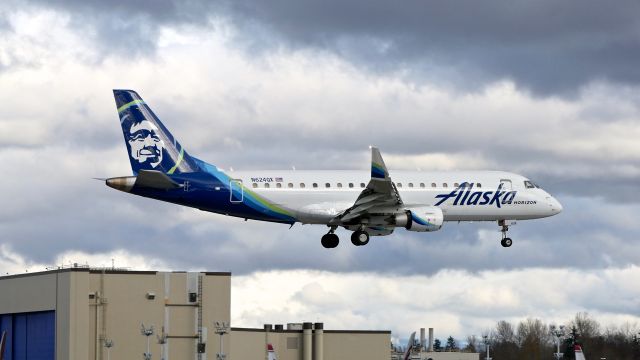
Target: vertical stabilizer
(271, 352)
(578, 352)
(150, 145)
(407, 354)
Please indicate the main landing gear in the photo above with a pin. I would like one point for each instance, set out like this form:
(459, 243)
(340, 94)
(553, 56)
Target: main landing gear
(330, 240)
(506, 241)
(360, 238)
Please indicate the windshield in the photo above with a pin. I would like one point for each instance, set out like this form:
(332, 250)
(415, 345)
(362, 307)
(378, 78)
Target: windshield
(530, 185)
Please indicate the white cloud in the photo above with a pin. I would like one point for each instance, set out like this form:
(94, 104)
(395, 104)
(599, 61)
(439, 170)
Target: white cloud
(58, 128)
(455, 303)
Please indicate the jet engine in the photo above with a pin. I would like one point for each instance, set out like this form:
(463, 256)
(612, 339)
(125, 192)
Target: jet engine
(422, 219)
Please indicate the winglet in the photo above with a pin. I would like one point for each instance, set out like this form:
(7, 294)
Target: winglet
(378, 168)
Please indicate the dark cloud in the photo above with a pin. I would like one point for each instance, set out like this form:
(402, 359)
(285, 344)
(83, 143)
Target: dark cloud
(546, 46)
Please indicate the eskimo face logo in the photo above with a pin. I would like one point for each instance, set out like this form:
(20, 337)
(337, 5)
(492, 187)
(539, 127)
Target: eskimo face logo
(145, 145)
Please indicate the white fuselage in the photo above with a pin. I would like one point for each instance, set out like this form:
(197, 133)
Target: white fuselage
(318, 196)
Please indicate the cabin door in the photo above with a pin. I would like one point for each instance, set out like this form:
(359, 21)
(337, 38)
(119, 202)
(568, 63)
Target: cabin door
(236, 191)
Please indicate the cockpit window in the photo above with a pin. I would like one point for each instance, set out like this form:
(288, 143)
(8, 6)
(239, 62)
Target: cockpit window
(530, 185)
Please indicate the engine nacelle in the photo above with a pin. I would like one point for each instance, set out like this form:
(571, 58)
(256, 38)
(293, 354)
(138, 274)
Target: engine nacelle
(422, 219)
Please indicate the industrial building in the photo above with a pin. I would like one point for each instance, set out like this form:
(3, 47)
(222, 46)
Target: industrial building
(424, 350)
(82, 313)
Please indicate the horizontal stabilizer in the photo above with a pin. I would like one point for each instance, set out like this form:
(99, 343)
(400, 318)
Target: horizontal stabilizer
(156, 180)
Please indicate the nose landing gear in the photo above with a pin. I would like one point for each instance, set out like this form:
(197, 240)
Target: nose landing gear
(506, 241)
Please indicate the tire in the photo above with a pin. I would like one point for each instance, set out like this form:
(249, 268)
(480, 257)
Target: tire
(330, 241)
(506, 242)
(360, 238)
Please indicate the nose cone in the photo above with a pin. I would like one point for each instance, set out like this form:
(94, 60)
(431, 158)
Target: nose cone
(556, 207)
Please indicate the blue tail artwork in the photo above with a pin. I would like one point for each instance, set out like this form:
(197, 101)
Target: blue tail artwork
(150, 145)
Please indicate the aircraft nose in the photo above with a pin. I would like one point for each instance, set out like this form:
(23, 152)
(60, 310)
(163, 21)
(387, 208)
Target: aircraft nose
(556, 207)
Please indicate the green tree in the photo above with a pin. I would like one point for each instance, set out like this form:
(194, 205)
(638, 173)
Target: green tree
(437, 345)
(451, 344)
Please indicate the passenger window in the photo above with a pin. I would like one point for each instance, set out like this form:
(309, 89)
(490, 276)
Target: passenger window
(255, 185)
(302, 185)
(339, 185)
(529, 185)
(399, 184)
(410, 184)
(290, 185)
(444, 185)
(478, 185)
(456, 185)
(362, 185)
(327, 185)
(350, 185)
(422, 185)
(315, 185)
(278, 185)
(266, 185)
(433, 185)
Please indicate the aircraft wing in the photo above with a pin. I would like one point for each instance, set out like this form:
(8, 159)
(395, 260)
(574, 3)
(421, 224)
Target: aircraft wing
(380, 195)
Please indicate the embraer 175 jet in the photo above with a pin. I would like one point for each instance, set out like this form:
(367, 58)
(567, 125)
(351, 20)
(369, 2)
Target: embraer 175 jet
(368, 204)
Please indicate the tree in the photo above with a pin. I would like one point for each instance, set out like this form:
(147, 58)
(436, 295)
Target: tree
(472, 344)
(451, 344)
(533, 338)
(437, 346)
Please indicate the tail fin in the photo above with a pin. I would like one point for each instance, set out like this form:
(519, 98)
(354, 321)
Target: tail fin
(407, 353)
(151, 146)
(579, 355)
(271, 352)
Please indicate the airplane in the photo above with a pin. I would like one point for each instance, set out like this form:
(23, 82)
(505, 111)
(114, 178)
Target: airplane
(271, 352)
(410, 345)
(366, 203)
(577, 350)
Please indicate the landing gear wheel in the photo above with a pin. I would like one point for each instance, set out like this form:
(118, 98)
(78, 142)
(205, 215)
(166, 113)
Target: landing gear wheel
(360, 238)
(330, 240)
(506, 242)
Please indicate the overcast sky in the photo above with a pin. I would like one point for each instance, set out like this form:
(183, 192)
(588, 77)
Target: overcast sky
(546, 89)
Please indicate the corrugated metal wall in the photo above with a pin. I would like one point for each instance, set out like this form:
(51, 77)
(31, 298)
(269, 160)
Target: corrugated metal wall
(30, 336)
